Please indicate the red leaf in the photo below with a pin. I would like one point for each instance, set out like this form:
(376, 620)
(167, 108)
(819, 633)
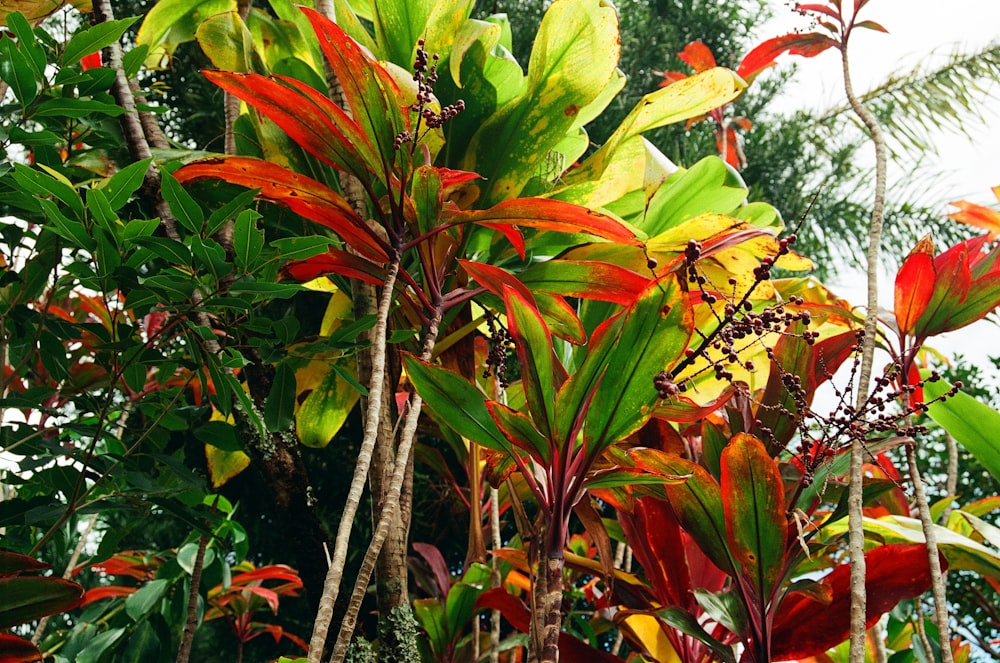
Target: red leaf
(871, 25)
(683, 410)
(439, 567)
(335, 261)
(763, 56)
(545, 214)
(820, 9)
(978, 216)
(109, 592)
(806, 627)
(302, 195)
(655, 538)
(12, 564)
(914, 285)
(91, 61)
(586, 279)
(371, 93)
(698, 56)
(17, 650)
(310, 119)
(516, 612)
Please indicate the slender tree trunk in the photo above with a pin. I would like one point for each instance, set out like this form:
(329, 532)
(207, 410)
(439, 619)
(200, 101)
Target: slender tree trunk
(191, 623)
(855, 501)
(552, 607)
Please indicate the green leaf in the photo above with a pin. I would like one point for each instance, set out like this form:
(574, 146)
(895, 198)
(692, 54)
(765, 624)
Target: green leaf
(724, 607)
(16, 70)
(227, 43)
(72, 231)
(430, 614)
(19, 24)
(456, 402)
(39, 183)
(184, 207)
(169, 249)
(94, 39)
(98, 645)
(656, 329)
(248, 240)
(76, 108)
(280, 405)
(541, 373)
(459, 606)
(753, 497)
(120, 186)
(697, 502)
(519, 429)
(101, 212)
(146, 598)
(973, 424)
(687, 624)
(143, 645)
(325, 408)
(300, 248)
(137, 228)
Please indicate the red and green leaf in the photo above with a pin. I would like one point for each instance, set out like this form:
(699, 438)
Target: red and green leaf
(18, 650)
(753, 498)
(317, 124)
(540, 378)
(26, 598)
(586, 279)
(697, 502)
(807, 45)
(300, 194)
(521, 432)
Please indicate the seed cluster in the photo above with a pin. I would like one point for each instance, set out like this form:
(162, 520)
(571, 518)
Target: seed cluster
(425, 74)
(497, 359)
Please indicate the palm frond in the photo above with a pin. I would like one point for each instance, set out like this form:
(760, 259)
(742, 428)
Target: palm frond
(915, 105)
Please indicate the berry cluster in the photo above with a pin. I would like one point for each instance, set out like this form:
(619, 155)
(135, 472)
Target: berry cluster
(500, 342)
(425, 74)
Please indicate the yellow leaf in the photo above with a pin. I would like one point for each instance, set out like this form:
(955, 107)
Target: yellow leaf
(224, 465)
(645, 630)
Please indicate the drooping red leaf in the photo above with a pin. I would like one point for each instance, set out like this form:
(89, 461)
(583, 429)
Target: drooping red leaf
(545, 214)
(914, 285)
(871, 25)
(335, 261)
(698, 56)
(372, 94)
(317, 124)
(108, 592)
(12, 563)
(654, 535)
(302, 195)
(438, 566)
(806, 627)
(17, 650)
(807, 45)
(518, 615)
(753, 496)
(26, 598)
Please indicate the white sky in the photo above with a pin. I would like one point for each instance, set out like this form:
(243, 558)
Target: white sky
(968, 168)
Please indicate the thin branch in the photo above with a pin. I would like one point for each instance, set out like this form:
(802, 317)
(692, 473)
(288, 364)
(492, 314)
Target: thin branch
(191, 624)
(855, 500)
(406, 440)
(68, 573)
(331, 586)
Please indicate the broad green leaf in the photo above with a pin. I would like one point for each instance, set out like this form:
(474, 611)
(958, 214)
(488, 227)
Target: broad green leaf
(697, 502)
(187, 211)
(460, 604)
(655, 329)
(27, 41)
(300, 248)
(574, 57)
(687, 624)
(228, 44)
(99, 645)
(457, 403)
(171, 23)
(692, 97)
(248, 240)
(961, 552)
(70, 230)
(94, 39)
(725, 607)
(143, 644)
(540, 375)
(17, 72)
(26, 598)
(330, 398)
(706, 187)
(102, 214)
(42, 184)
(972, 423)
(753, 497)
(120, 186)
(76, 108)
(426, 192)
(169, 249)
(430, 614)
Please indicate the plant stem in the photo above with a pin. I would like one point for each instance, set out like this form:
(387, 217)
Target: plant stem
(406, 439)
(191, 625)
(68, 573)
(933, 559)
(331, 586)
(495, 574)
(855, 501)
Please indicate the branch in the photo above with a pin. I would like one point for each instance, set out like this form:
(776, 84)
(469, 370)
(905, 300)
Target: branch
(191, 625)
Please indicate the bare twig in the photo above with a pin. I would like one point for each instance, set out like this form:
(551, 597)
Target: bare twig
(191, 624)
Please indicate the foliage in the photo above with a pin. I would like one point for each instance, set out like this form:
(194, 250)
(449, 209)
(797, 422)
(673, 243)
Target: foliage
(648, 381)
